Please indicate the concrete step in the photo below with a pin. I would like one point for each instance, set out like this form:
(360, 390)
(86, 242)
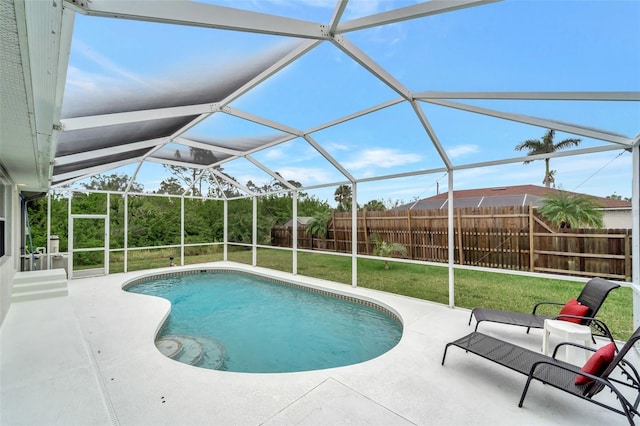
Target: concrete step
(39, 294)
(37, 276)
(42, 285)
(34, 285)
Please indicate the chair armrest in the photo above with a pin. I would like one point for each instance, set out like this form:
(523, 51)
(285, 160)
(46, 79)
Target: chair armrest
(535, 308)
(577, 345)
(575, 369)
(600, 326)
(593, 323)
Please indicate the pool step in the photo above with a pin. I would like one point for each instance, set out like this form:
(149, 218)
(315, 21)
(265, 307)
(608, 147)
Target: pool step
(35, 285)
(201, 351)
(214, 354)
(169, 347)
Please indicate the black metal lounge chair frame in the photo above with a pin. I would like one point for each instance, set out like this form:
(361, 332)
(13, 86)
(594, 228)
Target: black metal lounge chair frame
(592, 295)
(558, 373)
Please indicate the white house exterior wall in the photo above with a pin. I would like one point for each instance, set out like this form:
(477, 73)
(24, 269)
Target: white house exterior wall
(617, 219)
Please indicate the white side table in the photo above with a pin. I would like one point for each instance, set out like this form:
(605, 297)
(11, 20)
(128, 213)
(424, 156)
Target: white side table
(568, 332)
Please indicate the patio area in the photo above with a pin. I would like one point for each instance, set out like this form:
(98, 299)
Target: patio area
(90, 359)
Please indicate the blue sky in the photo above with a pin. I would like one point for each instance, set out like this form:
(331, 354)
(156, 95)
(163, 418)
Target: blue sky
(507, 46)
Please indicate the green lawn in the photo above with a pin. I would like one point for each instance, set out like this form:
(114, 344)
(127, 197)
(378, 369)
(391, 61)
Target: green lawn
(472, 288)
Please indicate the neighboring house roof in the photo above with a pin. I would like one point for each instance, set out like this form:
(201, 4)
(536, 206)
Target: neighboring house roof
(518, 195)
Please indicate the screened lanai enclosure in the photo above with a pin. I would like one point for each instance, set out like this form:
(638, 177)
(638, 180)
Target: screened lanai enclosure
(204, 115)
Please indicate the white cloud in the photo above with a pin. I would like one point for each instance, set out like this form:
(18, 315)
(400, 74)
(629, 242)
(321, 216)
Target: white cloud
(359, 8)
(275, 154)
(107, 65)
(307, 175)
(462, 150)
(336, 146)
(381, 157)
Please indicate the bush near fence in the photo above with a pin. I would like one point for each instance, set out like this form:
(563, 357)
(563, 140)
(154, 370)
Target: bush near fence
(513, 237)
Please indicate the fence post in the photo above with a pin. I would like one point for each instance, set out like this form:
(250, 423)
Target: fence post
(460, 250)
(411, 251)
(627, 257)
(366, 232)
(531, 227)
(333, 223)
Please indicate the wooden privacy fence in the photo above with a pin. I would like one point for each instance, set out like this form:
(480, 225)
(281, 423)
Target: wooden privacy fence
(499, 237)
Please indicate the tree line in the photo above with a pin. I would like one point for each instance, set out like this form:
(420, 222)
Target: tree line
(155, 220)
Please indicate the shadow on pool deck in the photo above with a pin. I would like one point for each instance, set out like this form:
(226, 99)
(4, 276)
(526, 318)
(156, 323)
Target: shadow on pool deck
(90, 358)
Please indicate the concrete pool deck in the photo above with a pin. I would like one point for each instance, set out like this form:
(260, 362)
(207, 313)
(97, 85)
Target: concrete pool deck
(90, 359)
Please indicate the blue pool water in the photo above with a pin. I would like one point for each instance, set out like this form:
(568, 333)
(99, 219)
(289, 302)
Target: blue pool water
(246, 324)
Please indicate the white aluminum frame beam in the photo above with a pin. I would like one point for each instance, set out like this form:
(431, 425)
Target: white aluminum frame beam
(231, 181)
(235, 112)
(283, 139)
(195, 144)
(78, 123)
(370, 65)
(217, 181)
(270, 172)
(195, 14)
(337, 15)
(403, 175)
(540, 96)
(105, 152)
(432, 134)
(433, 7)
(556, 154)
(329, 158)
(356, 115)
(88, 172)
(176, 163)
(635, 230)
(133, 177)
(540, 122)
(189, 188)
(180, 131)
(273, 69)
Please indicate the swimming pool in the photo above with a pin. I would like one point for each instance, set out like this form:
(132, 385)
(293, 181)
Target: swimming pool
(235, 321)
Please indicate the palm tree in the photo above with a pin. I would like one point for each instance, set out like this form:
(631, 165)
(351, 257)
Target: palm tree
(546, 146)
(567, 210)
(386, 249)
(375, 206)
(317, 225)
(343, 196)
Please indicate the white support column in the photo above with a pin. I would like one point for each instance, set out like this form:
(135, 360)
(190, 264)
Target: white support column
(126, 231)
(69, 237)
(225, 228)
(354, 235)
(451, 240)
(107, 235)
(254, 248)
(49, 230)
(182, 230)
(635, 233)
(294, 243)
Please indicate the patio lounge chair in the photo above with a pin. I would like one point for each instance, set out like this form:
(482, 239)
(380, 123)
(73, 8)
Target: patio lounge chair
(560, 374)
(593, 295)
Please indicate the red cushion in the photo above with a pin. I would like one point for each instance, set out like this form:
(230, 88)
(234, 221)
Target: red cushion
(573, 307)
(597, 363)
